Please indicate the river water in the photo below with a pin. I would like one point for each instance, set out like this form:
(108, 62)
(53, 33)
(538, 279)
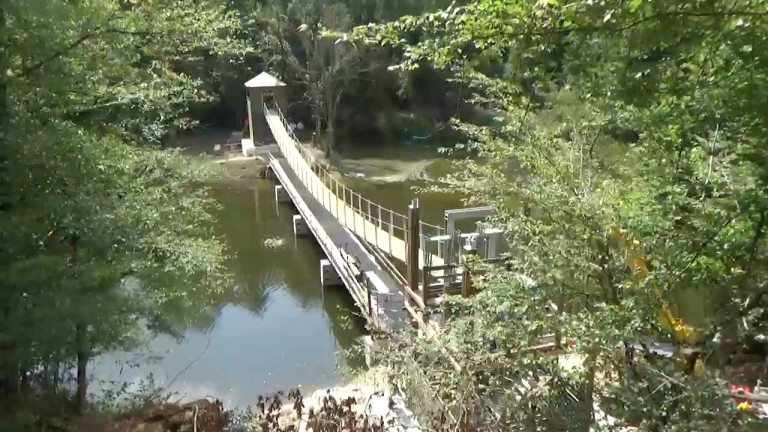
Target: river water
(277, 328)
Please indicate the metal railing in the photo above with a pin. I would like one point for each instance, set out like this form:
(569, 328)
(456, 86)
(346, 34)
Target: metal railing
(349, 267)
(376, 224)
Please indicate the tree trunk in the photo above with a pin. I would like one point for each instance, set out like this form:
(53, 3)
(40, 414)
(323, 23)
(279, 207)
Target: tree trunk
(589, 388)
(82, 364)
(56, 367)
(754, 299)
(81, 338)
(5, 112)
(24, 383)
(330, 140)
(330, 131)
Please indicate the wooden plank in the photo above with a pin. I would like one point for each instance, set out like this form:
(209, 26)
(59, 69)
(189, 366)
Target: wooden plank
(414, 296)
(437, 290)
(414, 315)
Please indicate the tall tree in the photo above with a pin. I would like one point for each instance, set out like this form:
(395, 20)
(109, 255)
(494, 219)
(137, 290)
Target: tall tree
(629, 173)
(332, 75)
(104, 230)
(317, 57)
(331, 65)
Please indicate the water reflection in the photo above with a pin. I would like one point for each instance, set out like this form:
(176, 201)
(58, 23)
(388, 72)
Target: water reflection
(392, 175)
(276, 328)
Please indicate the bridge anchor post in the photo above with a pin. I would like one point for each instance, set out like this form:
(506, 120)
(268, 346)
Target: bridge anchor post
(300, 227)
(412, 250)
(328, 274)
(372, 346)
(281, 195)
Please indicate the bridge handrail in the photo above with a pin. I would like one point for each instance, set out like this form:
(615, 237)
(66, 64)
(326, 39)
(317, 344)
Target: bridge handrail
(350, 268)
(370, 211)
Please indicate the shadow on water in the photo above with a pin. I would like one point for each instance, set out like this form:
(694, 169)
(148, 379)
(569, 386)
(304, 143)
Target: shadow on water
(274, 329)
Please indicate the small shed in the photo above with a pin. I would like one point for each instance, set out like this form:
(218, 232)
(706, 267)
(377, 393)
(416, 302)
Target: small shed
(263, 89)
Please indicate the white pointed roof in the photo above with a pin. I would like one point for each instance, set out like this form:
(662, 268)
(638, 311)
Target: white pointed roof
(264, 80)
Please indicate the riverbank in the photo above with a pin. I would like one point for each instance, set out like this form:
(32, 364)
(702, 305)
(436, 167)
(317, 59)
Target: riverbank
(221, 147)
(243, 168)
(385, 165)
(351, 406)
(366, 400)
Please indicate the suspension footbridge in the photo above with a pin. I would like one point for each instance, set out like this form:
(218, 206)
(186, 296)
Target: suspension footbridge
(396, 266)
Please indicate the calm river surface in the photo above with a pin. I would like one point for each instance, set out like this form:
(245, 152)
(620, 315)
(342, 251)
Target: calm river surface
(277, 328)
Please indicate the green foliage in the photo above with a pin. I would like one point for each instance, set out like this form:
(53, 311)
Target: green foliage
(103, 230)
(334, 82)
(630, 140)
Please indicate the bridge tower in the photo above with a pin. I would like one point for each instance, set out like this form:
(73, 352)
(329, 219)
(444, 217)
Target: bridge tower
(263, 89)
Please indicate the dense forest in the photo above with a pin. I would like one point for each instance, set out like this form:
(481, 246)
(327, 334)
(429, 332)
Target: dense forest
(622, 145)
(334, 83)
(101, 230)
(629, 173)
